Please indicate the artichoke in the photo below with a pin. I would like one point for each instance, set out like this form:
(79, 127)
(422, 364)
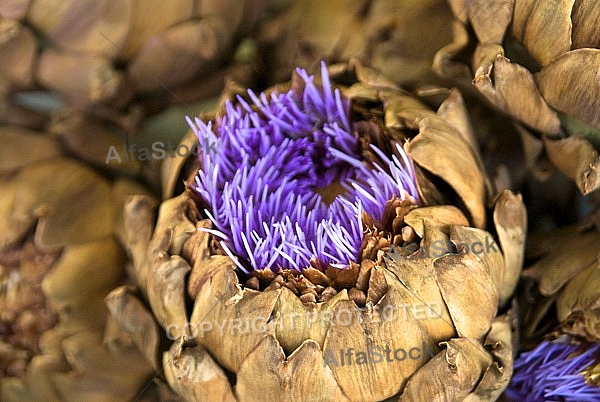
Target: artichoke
(559, 312)
(104, 66)
(59, 258)
(337, 221)
(537, 62)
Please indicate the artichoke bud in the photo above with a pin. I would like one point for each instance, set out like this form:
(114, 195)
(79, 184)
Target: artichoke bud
(315, 253)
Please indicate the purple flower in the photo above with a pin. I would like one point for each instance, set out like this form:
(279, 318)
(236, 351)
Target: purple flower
(553, 372)
(267, 189)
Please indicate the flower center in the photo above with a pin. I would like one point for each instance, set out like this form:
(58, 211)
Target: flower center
(330, 191)
(287, 188)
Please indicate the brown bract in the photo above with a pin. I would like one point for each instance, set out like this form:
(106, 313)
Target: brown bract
(278, 335)
(234, 329)
(18, 53)
(566, 274)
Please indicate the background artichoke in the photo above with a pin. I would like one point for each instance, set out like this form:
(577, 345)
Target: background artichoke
(97, 73)
(59, 258)
(536, 62)
(558, 302)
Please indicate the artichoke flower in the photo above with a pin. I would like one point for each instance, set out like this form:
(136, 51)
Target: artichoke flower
(563, 370)
(537, 62)
(332, 246)
(59, 258)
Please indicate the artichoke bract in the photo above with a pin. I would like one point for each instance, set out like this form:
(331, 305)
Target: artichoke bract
(537, 62)
(333, 246)
(59, 258)
(564, 276)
